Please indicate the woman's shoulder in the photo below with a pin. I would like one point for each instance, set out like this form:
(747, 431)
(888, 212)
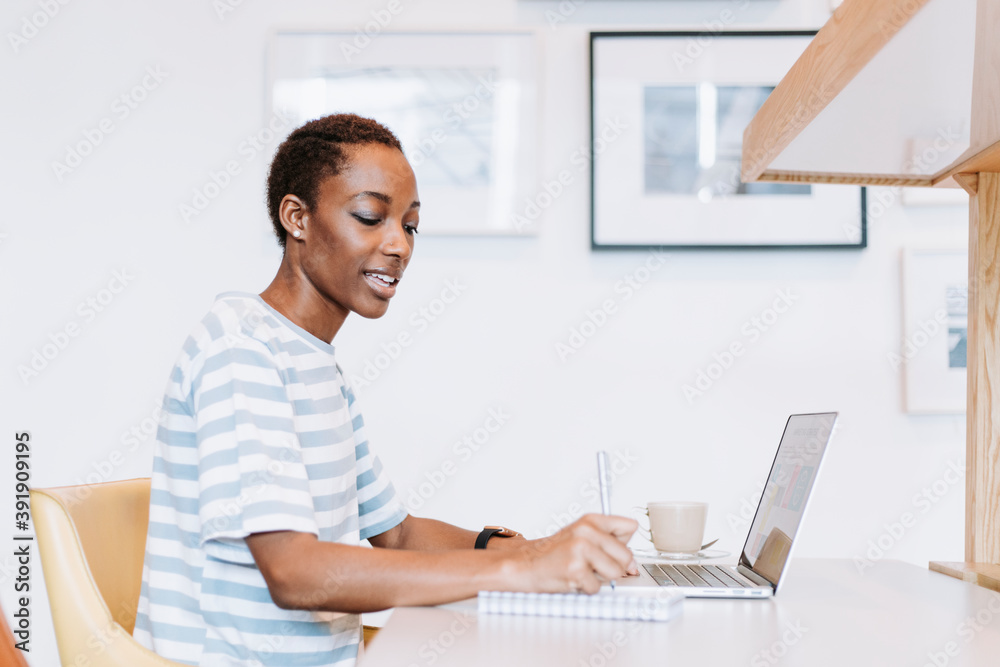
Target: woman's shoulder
(238, 312)
(234, 321)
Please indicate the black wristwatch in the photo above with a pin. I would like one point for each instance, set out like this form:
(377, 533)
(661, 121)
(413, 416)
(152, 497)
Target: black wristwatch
(490, 531)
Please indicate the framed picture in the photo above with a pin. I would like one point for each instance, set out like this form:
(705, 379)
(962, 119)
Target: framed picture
(464, 106)
(935, 330)
(668, 111)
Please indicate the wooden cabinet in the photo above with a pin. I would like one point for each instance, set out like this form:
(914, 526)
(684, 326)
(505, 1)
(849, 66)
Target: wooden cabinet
(907, 93)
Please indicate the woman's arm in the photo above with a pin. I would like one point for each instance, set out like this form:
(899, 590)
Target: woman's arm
(429, 534)
(303, 573)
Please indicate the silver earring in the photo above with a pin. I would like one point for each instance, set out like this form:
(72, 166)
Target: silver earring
(296, 233)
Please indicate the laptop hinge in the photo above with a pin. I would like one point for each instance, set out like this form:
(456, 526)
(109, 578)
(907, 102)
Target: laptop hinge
(753, 576)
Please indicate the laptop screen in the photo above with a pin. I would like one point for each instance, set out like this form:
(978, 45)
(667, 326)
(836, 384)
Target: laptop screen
(784, 498)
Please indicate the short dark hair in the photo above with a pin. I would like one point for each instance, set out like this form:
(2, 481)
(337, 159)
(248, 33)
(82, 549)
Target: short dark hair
(313, 152)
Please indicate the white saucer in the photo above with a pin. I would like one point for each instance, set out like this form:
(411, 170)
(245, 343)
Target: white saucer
(707, 554)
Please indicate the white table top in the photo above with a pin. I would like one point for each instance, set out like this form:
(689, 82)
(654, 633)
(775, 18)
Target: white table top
(826, 613)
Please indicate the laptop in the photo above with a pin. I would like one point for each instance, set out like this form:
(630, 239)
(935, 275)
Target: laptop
(764, 560)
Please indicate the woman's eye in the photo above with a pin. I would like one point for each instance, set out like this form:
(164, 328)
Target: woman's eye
(410, 229)
(365, 220)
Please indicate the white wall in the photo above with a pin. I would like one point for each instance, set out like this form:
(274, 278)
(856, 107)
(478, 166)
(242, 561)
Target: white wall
(494, 347)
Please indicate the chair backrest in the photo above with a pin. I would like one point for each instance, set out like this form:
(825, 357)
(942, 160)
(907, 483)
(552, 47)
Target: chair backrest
(91, 539)
(10, 655)
(111, 521)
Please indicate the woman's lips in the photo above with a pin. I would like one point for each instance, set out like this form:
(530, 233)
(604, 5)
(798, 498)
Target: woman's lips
(383, 285)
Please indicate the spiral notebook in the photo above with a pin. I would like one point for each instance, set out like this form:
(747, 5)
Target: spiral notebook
(605, 604)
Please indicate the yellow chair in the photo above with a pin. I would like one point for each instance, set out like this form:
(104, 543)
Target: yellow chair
(10, 655)
(92, 540)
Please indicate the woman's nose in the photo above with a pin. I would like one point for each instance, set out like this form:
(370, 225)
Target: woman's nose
(395, 242)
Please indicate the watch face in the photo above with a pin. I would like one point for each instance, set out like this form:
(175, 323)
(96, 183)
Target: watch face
(502, 531)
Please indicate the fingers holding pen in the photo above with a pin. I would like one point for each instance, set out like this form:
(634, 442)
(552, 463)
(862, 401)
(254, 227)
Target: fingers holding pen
(588, 564)
(581, 555)
(610, 534)
(620, 529)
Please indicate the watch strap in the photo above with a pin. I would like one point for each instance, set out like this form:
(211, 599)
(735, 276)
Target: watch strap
(485, 535)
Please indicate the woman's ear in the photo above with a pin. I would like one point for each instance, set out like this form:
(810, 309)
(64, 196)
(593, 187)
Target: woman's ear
(293, 214)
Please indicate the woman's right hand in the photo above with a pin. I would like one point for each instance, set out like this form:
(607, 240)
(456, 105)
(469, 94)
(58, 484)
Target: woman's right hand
(579, 558)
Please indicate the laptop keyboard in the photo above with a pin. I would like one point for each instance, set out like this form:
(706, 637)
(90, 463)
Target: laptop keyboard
(713, 576)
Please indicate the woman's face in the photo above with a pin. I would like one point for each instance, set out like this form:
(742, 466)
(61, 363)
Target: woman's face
(358, 236)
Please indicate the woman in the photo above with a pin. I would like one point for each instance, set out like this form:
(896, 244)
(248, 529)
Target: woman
(264, 484)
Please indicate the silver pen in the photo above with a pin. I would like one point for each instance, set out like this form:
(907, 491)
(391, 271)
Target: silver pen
(604, 483)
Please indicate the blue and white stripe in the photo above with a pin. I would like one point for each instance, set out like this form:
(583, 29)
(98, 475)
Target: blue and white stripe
(259, 433)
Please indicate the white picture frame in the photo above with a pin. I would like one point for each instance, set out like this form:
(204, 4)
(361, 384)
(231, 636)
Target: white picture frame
(668, 110)
(935, 323)
(463, 104)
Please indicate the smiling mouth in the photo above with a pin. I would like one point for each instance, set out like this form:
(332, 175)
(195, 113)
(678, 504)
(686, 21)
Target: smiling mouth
(388, 280)
(384, 286)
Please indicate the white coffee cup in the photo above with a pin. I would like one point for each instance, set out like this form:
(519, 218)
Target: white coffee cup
(676, 526)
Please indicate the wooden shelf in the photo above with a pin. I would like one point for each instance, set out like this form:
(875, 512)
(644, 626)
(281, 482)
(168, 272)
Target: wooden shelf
(855, 33)
(987, 576)
(926, 45)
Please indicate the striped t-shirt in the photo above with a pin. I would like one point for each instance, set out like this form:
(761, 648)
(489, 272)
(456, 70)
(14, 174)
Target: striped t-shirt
(259, 433)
